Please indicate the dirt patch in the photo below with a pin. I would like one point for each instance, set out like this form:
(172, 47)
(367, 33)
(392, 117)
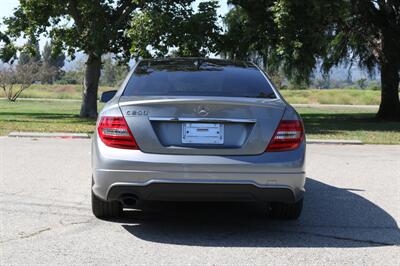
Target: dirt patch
(65, 89)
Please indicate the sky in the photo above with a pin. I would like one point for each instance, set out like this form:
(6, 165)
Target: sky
(6, 7)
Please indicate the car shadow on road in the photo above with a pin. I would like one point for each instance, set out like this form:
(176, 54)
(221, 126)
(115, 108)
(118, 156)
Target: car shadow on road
(332, 217)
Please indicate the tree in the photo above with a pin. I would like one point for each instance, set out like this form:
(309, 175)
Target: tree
(238, 41)
(324, 82)
(369, 31)
(8, 51)
(303, 33)
(362, 83)
(175, 29)
(251, 24)
(30, 53)
(15, 79)
(53, 63)
(24, 58)
(94, 27)
(113, 73)
(74, 76)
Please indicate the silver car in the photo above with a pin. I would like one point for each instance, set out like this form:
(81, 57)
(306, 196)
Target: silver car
(197, 129)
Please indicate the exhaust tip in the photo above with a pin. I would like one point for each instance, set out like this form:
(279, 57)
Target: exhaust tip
(129, 200)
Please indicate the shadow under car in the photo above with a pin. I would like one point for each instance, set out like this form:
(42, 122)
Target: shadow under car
(332, 217)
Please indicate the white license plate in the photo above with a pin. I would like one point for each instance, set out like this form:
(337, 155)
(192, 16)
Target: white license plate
(202, 133)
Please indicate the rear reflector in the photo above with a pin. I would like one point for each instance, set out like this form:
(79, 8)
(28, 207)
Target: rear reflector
(114, 132)
(288, 136)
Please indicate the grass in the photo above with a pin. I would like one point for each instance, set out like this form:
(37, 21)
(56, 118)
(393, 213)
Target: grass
(349, 124)
(320, 123)
(312, 96)
(333, 96)
(57, 91)
(43, 116)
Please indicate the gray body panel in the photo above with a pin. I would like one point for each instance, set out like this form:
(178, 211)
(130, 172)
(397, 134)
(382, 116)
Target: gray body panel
(113, 167)
(262, 116)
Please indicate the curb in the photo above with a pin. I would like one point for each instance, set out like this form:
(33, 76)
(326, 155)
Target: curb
(334, 141)
(317, 105)
(49, 135)
(44, 99)
(88, 136)
(300, 105)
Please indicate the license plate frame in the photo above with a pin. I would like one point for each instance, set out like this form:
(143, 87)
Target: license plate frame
(203, 133)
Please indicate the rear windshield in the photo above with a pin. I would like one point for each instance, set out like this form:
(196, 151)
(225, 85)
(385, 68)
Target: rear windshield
(198, 78)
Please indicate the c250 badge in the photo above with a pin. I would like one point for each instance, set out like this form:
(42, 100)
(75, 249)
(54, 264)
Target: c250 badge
(136, 112)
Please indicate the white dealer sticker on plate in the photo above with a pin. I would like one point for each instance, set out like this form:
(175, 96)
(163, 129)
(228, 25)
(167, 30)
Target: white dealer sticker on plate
(202, 133)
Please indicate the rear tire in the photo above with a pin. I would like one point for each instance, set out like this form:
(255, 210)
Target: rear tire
(105, 209)
(286, 211)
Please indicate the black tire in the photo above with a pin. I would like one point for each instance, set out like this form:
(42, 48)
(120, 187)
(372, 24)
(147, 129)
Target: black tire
(286, 211)
(105, 209)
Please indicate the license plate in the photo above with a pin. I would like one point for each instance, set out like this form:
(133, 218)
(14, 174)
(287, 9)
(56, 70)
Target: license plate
(202, 133)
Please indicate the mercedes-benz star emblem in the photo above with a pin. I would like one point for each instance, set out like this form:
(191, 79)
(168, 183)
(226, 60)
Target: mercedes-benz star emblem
(203, 110)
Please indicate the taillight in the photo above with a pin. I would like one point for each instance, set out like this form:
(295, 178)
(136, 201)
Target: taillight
(288, 136)
(114, 132)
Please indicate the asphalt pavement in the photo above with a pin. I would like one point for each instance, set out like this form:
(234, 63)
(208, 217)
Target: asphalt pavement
(350, 217)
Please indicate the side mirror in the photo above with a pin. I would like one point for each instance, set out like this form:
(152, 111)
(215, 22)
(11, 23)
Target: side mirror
(107, 95)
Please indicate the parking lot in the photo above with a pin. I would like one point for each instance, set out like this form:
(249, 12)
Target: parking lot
(351, 214)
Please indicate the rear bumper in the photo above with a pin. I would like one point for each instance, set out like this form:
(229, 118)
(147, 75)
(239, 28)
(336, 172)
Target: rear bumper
(275, 176)
(203, 192)
(199, 187)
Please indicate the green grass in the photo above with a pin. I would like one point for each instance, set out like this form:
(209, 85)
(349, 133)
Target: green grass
(56, 91)
(349, 124)
(333, 96)
(311, 96)
(320, 123)
(43, 116)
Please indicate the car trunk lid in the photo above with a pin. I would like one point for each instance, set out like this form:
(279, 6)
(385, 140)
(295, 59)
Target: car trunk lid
(202, 125)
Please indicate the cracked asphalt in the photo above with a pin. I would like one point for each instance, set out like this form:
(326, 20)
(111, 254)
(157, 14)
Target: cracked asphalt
(350, 217)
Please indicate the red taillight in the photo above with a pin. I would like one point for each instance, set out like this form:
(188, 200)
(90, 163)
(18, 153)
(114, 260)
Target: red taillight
(114, 132)
(288, 136)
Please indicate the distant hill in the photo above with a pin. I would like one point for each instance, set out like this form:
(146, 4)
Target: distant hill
(356, 73)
